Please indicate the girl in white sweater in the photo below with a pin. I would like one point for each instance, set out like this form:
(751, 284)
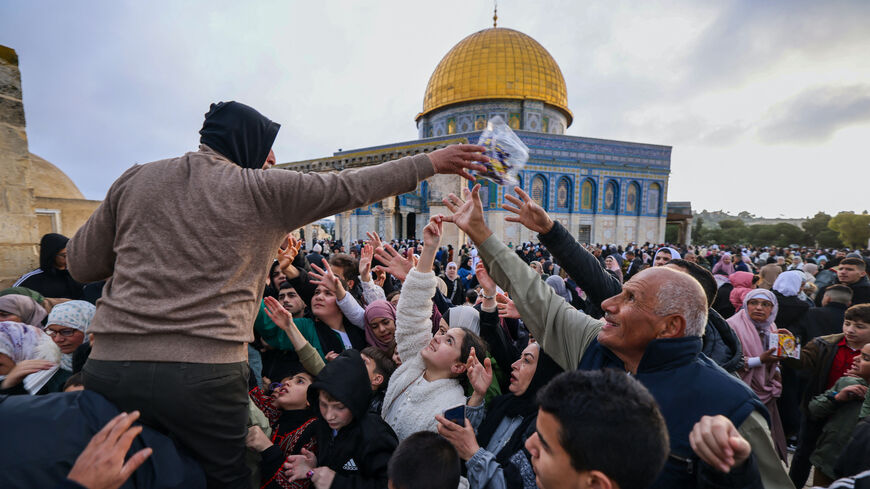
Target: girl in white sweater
(428, 381)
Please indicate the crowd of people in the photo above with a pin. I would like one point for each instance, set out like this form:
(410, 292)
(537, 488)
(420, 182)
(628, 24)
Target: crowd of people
(189, 341)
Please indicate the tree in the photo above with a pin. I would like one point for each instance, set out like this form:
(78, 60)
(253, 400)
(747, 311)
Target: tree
(853, 229)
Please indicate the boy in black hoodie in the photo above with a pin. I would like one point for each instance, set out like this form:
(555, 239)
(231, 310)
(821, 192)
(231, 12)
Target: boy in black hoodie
(354, 445)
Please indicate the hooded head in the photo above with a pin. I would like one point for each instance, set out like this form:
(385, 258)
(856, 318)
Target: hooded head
(49, 246)
(239, 133)
(347, 381)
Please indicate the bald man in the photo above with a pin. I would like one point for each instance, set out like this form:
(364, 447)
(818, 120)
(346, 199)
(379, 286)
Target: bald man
(652, 330)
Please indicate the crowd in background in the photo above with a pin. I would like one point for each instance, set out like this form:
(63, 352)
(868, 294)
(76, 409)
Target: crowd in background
(408, 364)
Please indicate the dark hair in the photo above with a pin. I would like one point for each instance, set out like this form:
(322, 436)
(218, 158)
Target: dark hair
(424, 460)
(854, 261)
(74, 380)
(393, 294)
(349, 265)
(858, 312)
(839, 293)
(471, 296)
(607, 418)
(701, 274)
(384, 365)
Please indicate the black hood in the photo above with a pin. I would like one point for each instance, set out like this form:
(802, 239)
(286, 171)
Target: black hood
(49, 246)
(347, 380)
(239, 132)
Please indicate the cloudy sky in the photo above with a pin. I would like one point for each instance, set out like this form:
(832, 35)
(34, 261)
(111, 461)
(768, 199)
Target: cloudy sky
(766, 104)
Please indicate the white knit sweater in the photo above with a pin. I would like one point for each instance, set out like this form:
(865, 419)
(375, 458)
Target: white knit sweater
(411, 402)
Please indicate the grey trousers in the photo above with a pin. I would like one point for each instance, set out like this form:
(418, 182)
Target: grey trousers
(202, 406)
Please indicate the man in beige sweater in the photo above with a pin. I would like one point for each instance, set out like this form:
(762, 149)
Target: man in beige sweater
(185, 244)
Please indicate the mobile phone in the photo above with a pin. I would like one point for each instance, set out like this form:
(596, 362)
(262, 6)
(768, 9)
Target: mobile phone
(456, 414)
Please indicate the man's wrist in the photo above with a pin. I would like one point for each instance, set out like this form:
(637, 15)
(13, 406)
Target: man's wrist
(479, 233)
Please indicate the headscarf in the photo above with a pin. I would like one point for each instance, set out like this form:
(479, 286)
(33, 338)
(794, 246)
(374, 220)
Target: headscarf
(76, 315)
(21, 342)
(238, 132)
(558, 284)
(448, 271)
(754, 339)
(510, 405)
(811, 269)
(789, 283)
(675, 255)
(463, 317)
(379, 309)
(24, 307)
(742, 282)
(23, 291)
(722, 268)
(614, 267)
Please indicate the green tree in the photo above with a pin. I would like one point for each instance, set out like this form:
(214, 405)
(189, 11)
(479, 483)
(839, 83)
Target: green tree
(853, 229)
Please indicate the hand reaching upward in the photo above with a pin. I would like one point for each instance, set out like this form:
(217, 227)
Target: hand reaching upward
(468, 214)
(394, 264)
(528, 212)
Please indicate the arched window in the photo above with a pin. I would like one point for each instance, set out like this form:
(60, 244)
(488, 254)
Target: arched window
(654, 199)
(632, 199)
(587, 195)
(539, 191)
(611, 196)
(564, 196)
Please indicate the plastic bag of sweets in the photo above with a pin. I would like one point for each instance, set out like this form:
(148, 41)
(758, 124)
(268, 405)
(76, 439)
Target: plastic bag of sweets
(507, 153)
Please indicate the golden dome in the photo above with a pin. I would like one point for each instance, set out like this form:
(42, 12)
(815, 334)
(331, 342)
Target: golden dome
(496, 63)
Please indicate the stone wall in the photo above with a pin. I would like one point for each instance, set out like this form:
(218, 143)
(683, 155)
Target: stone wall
(18, 228)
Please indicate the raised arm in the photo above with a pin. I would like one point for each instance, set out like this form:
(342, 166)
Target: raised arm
(413, 324)
(578, 263)
(564, 332)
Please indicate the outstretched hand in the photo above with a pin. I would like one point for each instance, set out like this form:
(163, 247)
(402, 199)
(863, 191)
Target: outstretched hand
(483, 278)
(365, 262)
(101, 464)
(528, 212)
(458, 159)
(325, 277)
(468, 214)
(479, 376)
(276, 312)
(506, 307)
(394, 263)
(286, 255)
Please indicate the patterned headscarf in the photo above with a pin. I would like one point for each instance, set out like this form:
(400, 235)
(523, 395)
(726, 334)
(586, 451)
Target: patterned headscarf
(76, 315)
(21, 342)
(24, 307)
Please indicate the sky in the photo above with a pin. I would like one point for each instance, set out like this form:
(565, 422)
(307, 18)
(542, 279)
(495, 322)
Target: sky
(766, 104)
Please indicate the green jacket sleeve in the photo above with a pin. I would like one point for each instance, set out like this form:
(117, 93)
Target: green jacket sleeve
(269, 331)
(822, 406)
(563, 332)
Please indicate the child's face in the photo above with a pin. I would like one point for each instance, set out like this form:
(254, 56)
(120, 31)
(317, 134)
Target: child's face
(861, 365)
(375, 378)
(857, 333)
(293, 393)
(336, 414)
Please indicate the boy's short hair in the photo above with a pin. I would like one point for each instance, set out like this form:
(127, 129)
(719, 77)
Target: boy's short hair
(608, 422)
(859, 312)
(424, 460)
(855, 262)
(74, 380)
(349, 265)
(471, 296)
(384, 365)
(839, 293)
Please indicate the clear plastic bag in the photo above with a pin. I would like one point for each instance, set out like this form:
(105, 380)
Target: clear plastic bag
(507, 153)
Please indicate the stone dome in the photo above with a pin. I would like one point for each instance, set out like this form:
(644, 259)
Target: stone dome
(49, 181)
(496, 63)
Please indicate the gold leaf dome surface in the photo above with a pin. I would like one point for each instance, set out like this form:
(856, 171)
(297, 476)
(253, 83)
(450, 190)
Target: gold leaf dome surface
(496, 63)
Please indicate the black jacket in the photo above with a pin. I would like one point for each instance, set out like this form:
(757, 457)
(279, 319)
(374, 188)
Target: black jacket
(359, 452)
(719, 341)
(48, 280)
(821, 321)
(860, 292)
(791, 310)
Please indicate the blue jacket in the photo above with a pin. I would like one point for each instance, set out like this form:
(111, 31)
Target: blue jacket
(673, 370)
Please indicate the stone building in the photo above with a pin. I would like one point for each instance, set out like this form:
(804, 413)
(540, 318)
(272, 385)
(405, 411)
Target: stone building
(603, 191)
(37, 197)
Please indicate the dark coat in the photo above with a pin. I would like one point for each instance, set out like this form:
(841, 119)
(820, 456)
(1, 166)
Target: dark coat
(50, 432)
(48, 280)
(860, 292)
(821, 321)
(359, 452)
(791, 310)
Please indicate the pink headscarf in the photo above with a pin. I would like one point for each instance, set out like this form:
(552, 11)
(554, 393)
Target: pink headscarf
(379, 309)
(742, 282)
(721, 268)
(759, 379)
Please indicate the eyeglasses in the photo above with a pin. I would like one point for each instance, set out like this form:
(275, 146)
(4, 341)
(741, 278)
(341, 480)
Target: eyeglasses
(66, 333)
(764, 304)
